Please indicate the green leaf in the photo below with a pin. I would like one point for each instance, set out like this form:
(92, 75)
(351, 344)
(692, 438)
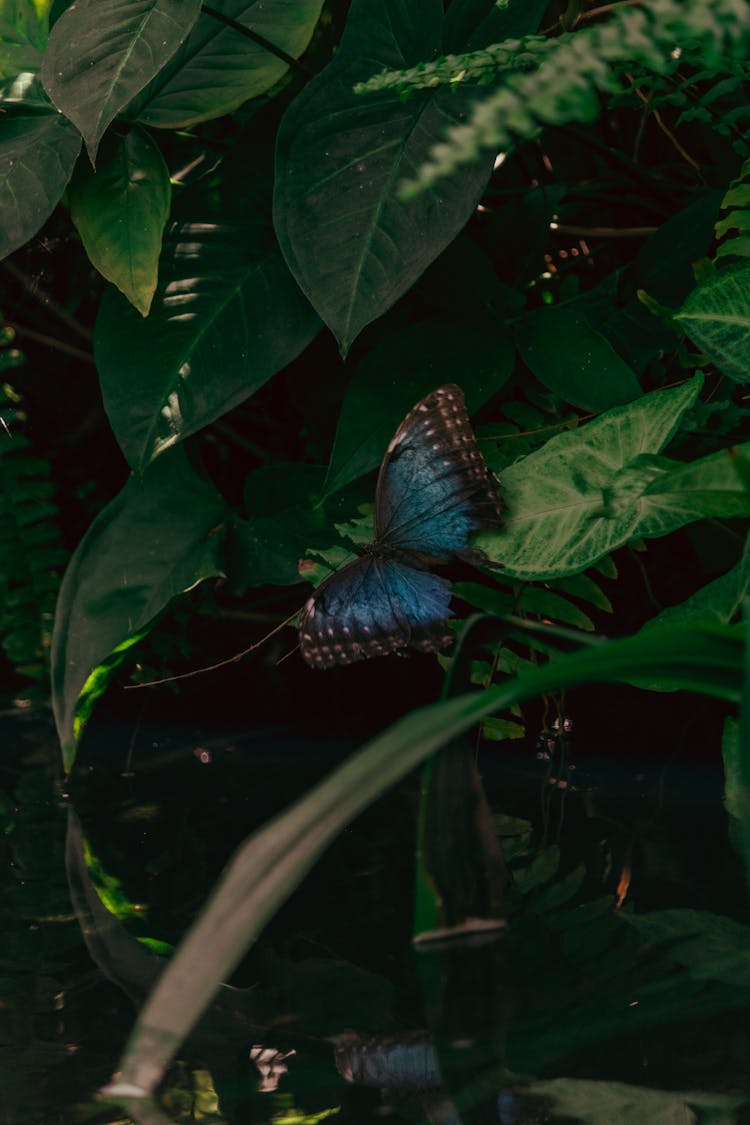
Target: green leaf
(226, 316)
(397, 373)
(531, 599)
(585, 1100)
(37, 155)
(716, 317)
(217, 68)
(471, 24)
(23, 33)
(575, 361)
(719, 600)
(285, 519)
(352, 244)
(101, 53)
(737, 790)
(538, 870)
(158, 538)
(120, 211)
(274, 860)
(589, 491)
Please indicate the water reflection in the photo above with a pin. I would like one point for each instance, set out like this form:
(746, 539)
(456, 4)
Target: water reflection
(578, 1011)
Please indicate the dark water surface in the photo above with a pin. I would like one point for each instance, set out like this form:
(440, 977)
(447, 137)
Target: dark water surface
(619, 993)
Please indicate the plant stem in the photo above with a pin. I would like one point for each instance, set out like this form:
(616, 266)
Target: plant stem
(50, 341)
(290, 61)
(44, 298)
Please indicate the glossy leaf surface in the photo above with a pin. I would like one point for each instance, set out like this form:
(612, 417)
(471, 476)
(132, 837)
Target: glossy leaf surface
(226, 316)
(575, 361)
(716, 317)
(217, 68)
(352, 244)
(120, 211)
(101, 53)
(37, 155)
(591, 490)
(157, 538)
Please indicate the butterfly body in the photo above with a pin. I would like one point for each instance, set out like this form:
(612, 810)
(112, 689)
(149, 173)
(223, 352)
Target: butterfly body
(434, 490)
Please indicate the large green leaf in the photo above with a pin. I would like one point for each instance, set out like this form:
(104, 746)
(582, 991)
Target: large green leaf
(720, 600)
(275, 859)
(37, 155)
(101, 53)
(285, 519)
(218, 68)
(398, 373)
(120, 211)
(226, 316)
(353, 246)
(716, 317)
(157, 538)
(575, 361)
(23, 33)
(591, 490)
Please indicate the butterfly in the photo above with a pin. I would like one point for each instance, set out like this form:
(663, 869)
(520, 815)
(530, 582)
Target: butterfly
(433, 491)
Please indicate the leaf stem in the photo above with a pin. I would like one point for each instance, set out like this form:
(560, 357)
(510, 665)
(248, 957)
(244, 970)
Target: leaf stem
(44, 298)
(50, 341)
(280, 53)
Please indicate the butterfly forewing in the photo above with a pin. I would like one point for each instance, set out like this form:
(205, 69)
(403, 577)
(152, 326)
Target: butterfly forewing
(434, 488)
(373, 607)
(433, 491)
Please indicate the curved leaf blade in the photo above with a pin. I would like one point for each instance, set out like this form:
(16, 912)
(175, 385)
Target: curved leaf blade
(37, 156)
(226, 316)
(352, 244)
(120, 211)
(155, 540)
(575, 361)
(101, 53)
(217, 68)
(716, 317)
(589, 491)
(275, 859)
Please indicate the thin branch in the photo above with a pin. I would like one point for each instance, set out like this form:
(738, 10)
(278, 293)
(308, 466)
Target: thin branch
(51, 342)
(605, 9)
(221, 663)
(290, 61)
(602, 232)
(49, 302)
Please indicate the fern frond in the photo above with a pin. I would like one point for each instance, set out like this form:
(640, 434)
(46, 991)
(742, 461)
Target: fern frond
(563, 77)
(31, 548)
(733, 228)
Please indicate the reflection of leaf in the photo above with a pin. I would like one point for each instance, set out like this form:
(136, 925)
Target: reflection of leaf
(541, 869)
(272, 863)
(600, 1102)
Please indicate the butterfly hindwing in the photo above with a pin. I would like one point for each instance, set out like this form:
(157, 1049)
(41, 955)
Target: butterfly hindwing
(372, 607)
(434, 488)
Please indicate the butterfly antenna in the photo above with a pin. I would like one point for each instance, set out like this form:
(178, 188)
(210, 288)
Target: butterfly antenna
(287, 655)
(221, 663)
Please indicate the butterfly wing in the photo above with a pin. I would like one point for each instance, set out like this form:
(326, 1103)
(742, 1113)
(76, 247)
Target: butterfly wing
(434, 488)
(372, 607)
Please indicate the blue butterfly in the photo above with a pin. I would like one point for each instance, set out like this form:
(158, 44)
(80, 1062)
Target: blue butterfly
(433, 491)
